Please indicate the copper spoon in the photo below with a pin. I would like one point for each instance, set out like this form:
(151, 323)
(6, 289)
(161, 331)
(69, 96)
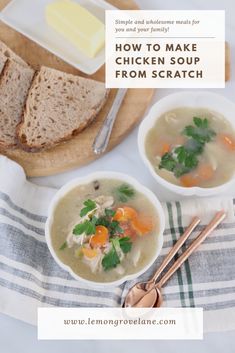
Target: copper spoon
(140, 289)
(153, 298)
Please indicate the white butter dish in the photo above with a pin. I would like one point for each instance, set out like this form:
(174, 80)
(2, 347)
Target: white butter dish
(28, 18)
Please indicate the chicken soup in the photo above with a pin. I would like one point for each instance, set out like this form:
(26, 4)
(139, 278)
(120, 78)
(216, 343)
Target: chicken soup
(192, 147)
(105, 230)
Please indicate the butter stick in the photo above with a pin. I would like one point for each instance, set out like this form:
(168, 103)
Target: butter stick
(77, 25)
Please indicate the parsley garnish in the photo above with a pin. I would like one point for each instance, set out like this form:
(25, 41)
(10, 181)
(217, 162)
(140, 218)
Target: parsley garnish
(183, 159)
(113, 226)
(90, 205)
(111, 259)
(124, 192)
(168, 162)
(87, 227)
(125, 244)
(103, 221)
(201, 131)
(109, 212)
(63, 246)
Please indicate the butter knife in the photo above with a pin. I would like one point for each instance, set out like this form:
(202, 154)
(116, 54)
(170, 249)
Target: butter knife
(102, 139)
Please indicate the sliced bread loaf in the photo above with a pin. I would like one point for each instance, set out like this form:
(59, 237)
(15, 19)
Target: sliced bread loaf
(59, 106)
(15, 81)
(8, 53)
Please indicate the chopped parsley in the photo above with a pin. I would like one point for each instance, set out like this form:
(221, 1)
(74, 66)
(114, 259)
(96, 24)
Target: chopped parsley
(124, 192)
(125, 244)
(109, 212)
(111, 259)
(183, 159)
(113, 226)
(200, 132)
(63, 246)
(87, 227)
(90, 205)
(103, 221)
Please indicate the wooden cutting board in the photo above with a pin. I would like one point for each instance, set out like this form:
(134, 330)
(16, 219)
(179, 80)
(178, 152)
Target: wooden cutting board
(77, 151)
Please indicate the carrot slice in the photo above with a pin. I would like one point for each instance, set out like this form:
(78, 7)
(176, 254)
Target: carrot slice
(161, 146)
(205, 172)
(119, 215)
(189, 180)
(100, 238)
(89, 252)
(166, 147)
(125, 213)
(129, 212)
(142, 225)
(227, 140)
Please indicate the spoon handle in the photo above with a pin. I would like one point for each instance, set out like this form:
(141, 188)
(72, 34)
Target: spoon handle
(102, 139)
(173, 251)
(219, 217)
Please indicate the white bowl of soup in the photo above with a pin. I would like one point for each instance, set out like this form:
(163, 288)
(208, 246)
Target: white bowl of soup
(105, 228)
(187, 141)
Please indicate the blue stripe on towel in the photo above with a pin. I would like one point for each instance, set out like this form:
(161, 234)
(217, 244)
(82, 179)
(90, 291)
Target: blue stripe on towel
(7, 214)
(59, 288)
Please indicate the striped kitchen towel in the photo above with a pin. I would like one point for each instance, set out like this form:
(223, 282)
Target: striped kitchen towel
(29, 277)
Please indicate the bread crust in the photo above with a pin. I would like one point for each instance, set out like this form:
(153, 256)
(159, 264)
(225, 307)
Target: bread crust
(3, 145)
(10, 54)
(22, 120)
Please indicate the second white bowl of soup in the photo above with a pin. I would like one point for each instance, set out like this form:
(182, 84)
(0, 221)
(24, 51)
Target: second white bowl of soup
(187, 142)
(105, 228)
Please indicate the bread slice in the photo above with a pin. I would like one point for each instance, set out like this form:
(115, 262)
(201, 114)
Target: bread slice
(8, 53)
(59, 106)
(15, 81)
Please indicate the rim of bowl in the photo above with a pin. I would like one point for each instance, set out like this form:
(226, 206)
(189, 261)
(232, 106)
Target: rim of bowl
(152, 118)
(85, 180)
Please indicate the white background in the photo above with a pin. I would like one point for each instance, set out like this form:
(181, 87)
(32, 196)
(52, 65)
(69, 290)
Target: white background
(16, 336)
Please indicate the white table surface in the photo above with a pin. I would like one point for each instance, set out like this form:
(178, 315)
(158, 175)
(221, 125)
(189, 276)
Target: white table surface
(16, 336)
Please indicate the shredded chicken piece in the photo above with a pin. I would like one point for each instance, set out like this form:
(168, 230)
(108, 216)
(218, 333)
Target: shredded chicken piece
(119, 252)
(210, 153)
(135, 256)
(103, 202)
(171, 118)
(72, 239)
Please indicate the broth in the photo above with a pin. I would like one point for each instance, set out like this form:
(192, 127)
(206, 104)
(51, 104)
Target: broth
(213, 165)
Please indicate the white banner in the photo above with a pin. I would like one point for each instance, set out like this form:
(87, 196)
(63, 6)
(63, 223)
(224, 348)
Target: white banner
(119, 323)
(165, 49)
